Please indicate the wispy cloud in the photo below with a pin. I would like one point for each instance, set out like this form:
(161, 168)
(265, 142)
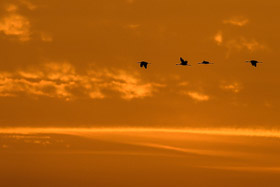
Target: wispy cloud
(28, 4)
(252, 45)
(183, 84)
(17, 26)
(11, 8)
(219, 38)
(246, 168)
(14, 24)
(234, 87)
(237, 132)
(133, 26)
(197, 96)
(61, 80)
(237, 42)
(130, 1)
(46, 37)
(237, 21)
(243, 43)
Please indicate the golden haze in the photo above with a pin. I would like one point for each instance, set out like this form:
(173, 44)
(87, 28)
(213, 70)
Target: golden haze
(76, 108)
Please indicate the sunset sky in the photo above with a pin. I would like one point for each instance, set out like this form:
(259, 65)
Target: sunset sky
(76, 109)
(73, 63)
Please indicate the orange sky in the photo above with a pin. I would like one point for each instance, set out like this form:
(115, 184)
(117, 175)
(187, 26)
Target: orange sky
(77, 110)
(73, 63)
(139, 157)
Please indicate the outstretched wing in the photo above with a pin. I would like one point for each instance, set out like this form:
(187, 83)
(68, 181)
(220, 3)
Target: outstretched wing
(145, 65)
(254, 63)
(141, 64)
(182, 60)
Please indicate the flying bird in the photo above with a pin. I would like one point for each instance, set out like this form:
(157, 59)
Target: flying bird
(254, 62)
(144, 64)
(205, 62)
(183, 62)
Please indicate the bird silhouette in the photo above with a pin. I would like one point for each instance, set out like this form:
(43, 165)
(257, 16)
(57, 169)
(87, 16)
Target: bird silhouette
(254, 62)
(183, 62)
(205, 62)
(144, 64)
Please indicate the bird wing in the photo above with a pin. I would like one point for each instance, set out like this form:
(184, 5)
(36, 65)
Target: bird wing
(141, 64)
(182, 60)
(254, 63)
(145, 65)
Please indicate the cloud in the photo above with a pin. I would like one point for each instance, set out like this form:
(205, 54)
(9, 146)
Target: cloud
(219, 38)
(243, 43)
(11, 8)
(61, 80)
(28, 4)
(238, 43)
(234, 87)
(129, 86)
(197, 96)
(183, 84)
(251, 45)
(267, 104)
(133, 26)
(14, 24)
(237, 21)
(130, 1)
(46, 37)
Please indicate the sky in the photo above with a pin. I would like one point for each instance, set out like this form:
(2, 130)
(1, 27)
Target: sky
(139, 157)
(74, 63)
(76, 109)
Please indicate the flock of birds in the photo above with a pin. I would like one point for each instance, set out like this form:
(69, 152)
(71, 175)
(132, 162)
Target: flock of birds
(186, 63)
